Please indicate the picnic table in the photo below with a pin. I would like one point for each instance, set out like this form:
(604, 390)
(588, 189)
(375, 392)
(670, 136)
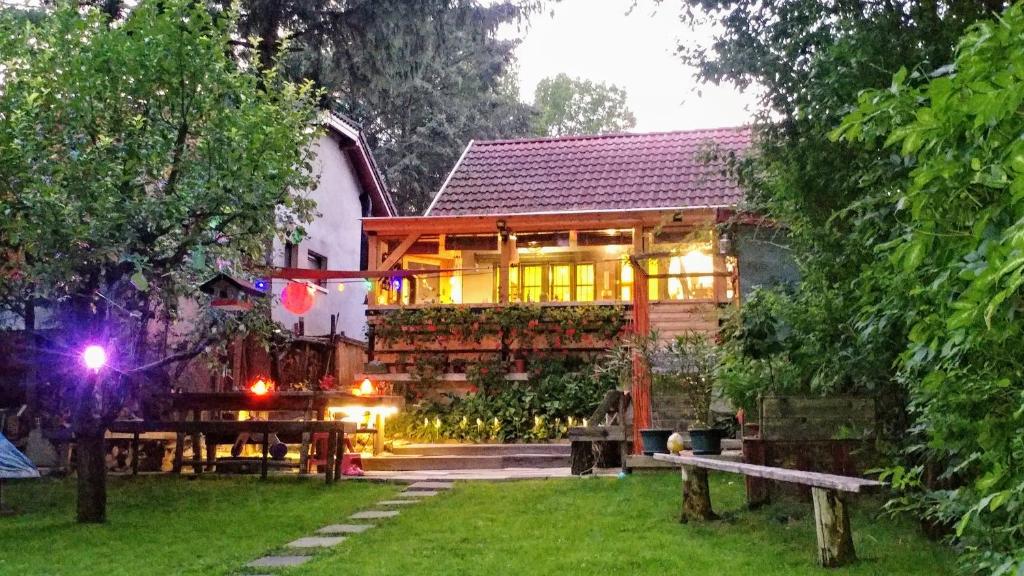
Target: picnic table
(335, 430)
(831, 513)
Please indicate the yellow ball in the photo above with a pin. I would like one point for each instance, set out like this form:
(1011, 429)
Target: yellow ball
(675, 443)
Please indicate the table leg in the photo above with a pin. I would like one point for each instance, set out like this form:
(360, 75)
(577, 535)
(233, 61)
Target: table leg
(832, 523)
(266, 454)
(135, 454)
(332, 456)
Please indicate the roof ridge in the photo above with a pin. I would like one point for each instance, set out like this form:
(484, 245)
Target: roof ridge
(609, 135)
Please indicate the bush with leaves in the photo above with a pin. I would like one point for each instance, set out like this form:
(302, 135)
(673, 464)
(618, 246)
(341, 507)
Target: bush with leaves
(957, 260)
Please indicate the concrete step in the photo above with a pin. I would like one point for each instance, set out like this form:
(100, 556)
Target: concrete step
(470, 462)
(558, 448)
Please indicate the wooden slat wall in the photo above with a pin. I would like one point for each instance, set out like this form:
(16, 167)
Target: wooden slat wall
(671, 319)
(788, 418)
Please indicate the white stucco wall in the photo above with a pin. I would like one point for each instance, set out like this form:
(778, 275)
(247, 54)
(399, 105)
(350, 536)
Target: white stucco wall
(336, 235)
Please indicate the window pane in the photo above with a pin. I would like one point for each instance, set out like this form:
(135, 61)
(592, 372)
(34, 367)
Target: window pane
(561, 283)
(531, 283)
(653, 284)
(584, 282)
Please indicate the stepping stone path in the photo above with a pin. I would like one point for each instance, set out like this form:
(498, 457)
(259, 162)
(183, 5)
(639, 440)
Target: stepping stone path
(331, 535)
(418, 493)
(316, 542)
(344, 529)
(278, 561)
(374, 515)
(429, 486)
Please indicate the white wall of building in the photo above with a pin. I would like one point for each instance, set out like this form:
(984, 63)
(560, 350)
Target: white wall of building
(336, 234)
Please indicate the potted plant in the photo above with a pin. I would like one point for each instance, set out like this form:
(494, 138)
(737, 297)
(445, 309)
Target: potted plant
(695, 362)
(620, 361)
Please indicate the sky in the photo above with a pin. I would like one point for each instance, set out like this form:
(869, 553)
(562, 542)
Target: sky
(597, 40)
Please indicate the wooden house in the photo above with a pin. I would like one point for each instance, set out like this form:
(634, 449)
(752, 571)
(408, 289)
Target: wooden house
(627, 223)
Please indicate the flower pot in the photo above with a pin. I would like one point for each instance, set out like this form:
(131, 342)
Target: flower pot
(519, 365)
(706, 441)
(655, 440)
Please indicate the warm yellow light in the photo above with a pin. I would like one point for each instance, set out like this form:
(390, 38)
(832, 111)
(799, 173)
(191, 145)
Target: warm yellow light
(366, 387)
(359, 413)
(341, 287)
(455, 288)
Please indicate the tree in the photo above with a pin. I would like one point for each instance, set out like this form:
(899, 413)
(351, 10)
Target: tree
(958, 245)
(136, 160)
(422, 77)
(809, 60)
(574, 106)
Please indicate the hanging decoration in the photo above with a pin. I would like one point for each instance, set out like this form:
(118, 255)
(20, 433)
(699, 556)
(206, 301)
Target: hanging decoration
(298, 298)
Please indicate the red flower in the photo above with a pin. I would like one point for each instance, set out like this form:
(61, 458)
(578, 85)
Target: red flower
(484, 371)
(327, 382)
(473, 389)
(570, 332)
(532, 324)
(431, 328)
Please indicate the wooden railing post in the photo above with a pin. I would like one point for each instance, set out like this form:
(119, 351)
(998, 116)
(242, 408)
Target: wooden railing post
(641, 385)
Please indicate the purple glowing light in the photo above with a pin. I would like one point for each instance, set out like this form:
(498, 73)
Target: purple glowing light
(94, 357)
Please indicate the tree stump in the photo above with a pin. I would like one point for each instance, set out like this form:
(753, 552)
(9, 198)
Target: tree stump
(581, 460)
(832, 522)
(696, 496)
(608, 455)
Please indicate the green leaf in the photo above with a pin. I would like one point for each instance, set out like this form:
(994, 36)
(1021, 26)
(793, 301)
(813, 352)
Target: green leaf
(140, 282)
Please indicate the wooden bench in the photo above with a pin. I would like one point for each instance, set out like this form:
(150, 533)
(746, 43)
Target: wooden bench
(831, 514)
(608, 430)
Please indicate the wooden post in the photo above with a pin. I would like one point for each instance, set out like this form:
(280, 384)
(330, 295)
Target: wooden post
(341, 454)
(332, 456)
(197, 448)
(266, 452)
(378, 438)
(696, 496)
(641, 385)
(179, 452)
(372, 264)
(581, 460)
(135, 454)
(307, 416)
(758, 493)
(832, 521)
(505, 260)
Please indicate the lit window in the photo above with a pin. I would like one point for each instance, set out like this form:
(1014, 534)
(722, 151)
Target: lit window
(561, 283)
(626, 280)
(532, 283)
(584, 282)
(653, 284)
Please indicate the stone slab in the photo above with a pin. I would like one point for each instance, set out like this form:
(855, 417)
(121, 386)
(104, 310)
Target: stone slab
(344, 529)
(397, 502)
(374, 515)
(418, 493)
(433, 486)
(278, 561)
(316, 542)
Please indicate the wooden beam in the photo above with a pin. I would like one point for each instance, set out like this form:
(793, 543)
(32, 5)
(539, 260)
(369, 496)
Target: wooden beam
(505, 247)
(542, 222)
(395, 256)
(641, 385)
(372, 264)
(816, 479)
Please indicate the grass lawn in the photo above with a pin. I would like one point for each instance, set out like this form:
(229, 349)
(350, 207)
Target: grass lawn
(606, 526)
(600, 526)
(161, 525)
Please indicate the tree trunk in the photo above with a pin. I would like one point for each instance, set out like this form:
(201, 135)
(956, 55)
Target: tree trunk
(581, 459)
(92, 478)
(696, 496)
(832, 521)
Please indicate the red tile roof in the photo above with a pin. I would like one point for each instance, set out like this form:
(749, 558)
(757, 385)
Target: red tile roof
(592, 173)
